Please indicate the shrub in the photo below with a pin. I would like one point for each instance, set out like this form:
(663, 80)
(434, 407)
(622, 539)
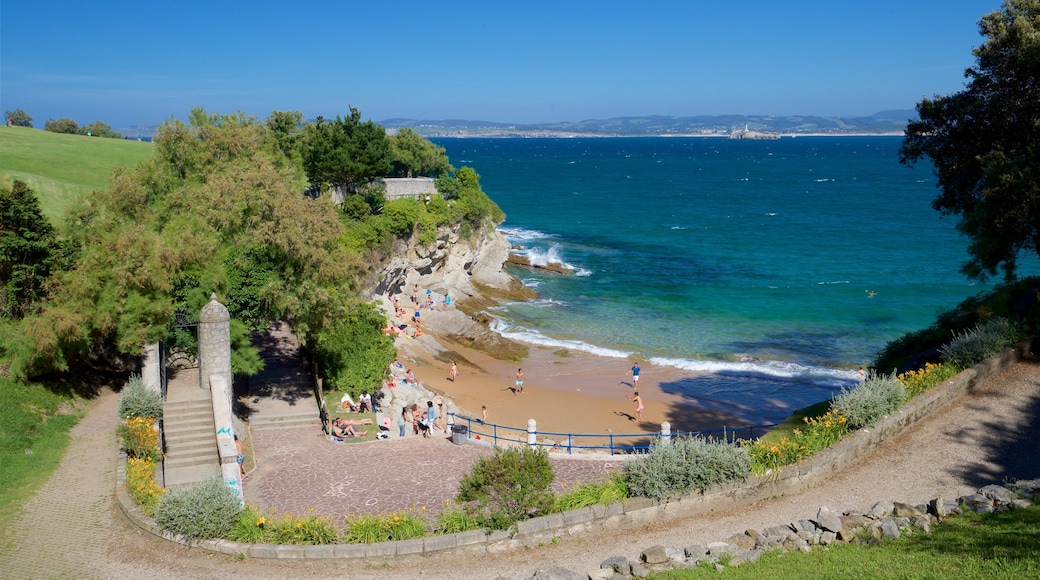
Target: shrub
(819, 433)
(874, 398)
(456, 518)
(986, 339)
(138, 400)
(140, 483)
(673, 471)
(510, 485)
(370, 529)
(140, 438)
(200, 512)
(588, 494)
(920, 380)
(255, 528)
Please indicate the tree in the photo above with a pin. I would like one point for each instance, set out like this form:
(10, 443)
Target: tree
(286, 128)
(67, 126)
(19, 118)
(99, 129)
(414, 155)
(345, 152)
(212, 212)
(28, 245)
(984, 143)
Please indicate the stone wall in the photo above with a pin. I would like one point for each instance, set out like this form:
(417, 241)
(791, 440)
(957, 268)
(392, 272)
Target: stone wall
(634, 511)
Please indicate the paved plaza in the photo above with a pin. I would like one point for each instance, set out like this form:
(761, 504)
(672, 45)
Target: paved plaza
(297, 469)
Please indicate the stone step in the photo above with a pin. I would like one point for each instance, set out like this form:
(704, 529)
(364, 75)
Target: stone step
(190, 436)
(285, 421)
(190, 458)
(185, 475)
(190, 425)
(182, 444)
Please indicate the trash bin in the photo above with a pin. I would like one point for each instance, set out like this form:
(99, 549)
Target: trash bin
(459, 434)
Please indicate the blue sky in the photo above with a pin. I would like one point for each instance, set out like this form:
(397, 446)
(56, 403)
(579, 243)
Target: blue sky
(139, 62)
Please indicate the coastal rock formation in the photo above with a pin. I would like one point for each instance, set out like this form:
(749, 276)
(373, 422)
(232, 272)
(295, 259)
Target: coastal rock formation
(449, 265)
(518, 260)
(470, 269)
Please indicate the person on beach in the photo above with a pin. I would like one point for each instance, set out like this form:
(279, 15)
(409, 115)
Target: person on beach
(447, 301)
(416, 417)
(634, 371)
(519, 377)
(454, 371)
(442, 417)
(431, 415)
(483, 413)
(409, 377)
(406, 419)
(635, 398)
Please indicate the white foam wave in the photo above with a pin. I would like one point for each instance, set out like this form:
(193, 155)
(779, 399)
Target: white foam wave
(779, 370)
(535, 337)
(832, 283)
(581, 271)
(523, 234)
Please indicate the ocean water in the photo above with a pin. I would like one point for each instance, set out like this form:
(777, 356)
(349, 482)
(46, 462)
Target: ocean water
(780, 266)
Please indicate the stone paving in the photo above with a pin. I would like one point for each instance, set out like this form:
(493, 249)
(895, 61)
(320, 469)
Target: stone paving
(297, 469)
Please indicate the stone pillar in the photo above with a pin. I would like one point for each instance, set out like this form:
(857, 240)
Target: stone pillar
(666, 434)
(150, 367)
(215, 345)
(532, 432)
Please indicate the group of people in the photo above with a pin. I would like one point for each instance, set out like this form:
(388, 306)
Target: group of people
(423, 421)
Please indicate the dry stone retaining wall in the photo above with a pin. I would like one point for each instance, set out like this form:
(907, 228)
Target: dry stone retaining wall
(632, 512)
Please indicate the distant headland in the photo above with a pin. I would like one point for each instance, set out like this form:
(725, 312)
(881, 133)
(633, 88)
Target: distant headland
(754, 126)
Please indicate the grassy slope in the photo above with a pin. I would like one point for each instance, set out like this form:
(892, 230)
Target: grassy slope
(34, 421)
(61, 168)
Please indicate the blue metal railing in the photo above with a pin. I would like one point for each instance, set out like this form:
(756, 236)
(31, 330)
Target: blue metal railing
(614, 443)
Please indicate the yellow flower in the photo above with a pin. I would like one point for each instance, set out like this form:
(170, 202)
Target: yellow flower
(775, 449)
(827, 424)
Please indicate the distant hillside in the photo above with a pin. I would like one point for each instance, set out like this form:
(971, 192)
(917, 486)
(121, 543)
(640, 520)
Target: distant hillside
(60, 168)
(884, 122)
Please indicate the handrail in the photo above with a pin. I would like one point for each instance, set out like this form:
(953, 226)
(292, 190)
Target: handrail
(640, 442)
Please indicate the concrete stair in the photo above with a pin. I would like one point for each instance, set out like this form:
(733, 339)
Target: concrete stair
(191, 443)
(285, 402)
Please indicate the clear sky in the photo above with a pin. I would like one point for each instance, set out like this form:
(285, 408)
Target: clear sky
(139, 62)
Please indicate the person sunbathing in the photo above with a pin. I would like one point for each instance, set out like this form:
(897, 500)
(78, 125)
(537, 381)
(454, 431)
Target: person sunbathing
(342, 428)
(353, 422)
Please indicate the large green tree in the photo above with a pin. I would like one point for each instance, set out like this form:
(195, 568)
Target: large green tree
(984, 143)
(345, 152)
(415, 156)
(28, 247)
(213, 212)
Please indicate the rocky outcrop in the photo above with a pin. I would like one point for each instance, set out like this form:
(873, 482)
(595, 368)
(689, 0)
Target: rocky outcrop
(452, 264)
(470, 270)
(887, 520)
(518, 260)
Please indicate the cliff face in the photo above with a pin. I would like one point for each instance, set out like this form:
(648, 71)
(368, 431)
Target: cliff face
(450, 265)
(471, 270)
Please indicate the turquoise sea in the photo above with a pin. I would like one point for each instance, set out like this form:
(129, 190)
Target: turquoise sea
(780, 266)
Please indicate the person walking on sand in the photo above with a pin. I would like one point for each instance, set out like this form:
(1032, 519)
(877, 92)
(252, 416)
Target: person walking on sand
(634, 371)
(454, 371)
(635, 398)
(519, 377)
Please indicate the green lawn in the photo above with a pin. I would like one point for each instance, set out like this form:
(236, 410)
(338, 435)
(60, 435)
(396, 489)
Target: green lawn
(34, 433)
(1000, 545)
(61, 168)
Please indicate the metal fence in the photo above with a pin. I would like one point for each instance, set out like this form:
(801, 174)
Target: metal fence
(612, 443)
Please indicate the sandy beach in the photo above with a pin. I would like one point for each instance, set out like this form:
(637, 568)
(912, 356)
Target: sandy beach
(564, 391)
